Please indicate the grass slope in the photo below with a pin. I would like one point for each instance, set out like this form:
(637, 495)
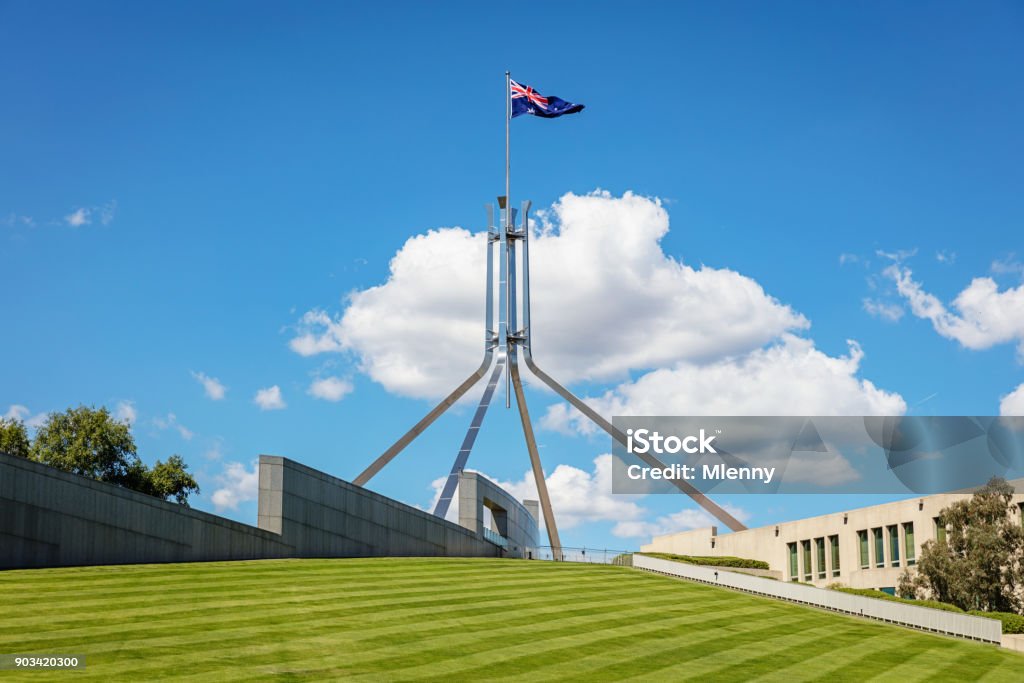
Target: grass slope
(449, 620)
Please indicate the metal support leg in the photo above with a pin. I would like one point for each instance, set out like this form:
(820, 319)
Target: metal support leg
(490, 341)
(684, 486)
(448, 492)
(538, 471)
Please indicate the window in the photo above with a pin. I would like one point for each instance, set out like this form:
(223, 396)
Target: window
(862, 537)
(806, 547)
(879, 547)
(833, 542)
(910, 550)
(819, 550)
(794, 570)
(940, 529)
(894, 545)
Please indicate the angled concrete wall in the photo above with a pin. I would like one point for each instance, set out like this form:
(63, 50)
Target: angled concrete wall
(323, 516)
(50, 518)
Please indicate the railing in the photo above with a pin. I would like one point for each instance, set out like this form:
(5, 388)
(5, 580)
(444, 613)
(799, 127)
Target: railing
(587, 555)
(495, 538)
(924, 618)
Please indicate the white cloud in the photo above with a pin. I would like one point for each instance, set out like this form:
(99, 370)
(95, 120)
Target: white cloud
(883, 310)
(845, 258)
(237, 485)
(330, 388)
(1008, 265)
(107, 212)
(580, 497)
(171, 422)
(270, 399)
(17, 412)
(1012, 405)
(947, 257)
(982, 316)
(125, 412)
(791, 377)
(211, 385)
(23, 414)
(16, 220)
(598, 273)
(79, 217)
(684, 520)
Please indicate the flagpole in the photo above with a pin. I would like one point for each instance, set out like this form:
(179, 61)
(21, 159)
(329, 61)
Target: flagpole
(508, 163)
(508, 216)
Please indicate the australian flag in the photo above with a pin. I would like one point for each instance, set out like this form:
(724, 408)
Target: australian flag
(526, 100)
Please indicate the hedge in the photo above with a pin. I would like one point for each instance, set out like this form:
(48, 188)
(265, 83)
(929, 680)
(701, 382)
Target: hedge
(1012, 623)
(735, 562)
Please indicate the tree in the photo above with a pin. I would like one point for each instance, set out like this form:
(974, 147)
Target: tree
(980, 564)
(90, 442)
(14, 438)
(171, 479)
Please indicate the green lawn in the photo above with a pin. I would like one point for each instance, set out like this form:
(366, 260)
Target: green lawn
(449, 620)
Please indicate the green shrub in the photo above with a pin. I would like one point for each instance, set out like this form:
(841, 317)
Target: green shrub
(1012, 623)
(736, 562)
(881, 595)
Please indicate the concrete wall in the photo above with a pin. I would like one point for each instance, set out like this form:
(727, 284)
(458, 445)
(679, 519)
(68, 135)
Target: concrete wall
(323, 516)
(937, 621)
(771, 543)
(511, 519)
(50, 518)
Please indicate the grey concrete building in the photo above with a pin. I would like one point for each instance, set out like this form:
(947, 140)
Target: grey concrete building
(50, 518)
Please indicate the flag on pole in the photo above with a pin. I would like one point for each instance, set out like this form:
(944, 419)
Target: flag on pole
(526, 100)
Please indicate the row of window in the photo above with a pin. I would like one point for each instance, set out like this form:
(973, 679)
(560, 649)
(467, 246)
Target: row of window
(823, 548)
(881, 545)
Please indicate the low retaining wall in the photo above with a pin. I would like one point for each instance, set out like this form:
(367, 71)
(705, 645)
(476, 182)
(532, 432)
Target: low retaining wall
(49, 518)
(924, 618)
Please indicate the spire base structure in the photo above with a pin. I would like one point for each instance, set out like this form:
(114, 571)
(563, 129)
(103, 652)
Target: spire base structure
(506, 343)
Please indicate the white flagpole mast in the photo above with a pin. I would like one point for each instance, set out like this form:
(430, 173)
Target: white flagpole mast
(508, 227)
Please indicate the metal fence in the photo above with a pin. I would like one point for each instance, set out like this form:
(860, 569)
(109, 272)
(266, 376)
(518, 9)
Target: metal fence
(587, 555)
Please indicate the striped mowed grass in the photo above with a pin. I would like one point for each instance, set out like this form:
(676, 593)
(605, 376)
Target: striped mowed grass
(449, 620)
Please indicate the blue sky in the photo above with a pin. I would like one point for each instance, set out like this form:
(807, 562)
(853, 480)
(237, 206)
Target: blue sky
(181, 183)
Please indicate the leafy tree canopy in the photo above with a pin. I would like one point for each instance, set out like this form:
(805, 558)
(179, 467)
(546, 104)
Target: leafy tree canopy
(14, 438)
(90, 442)
(980, 564)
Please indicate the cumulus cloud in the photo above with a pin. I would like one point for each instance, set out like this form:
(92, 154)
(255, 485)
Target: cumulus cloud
(580, 497)
(79, 217)
(17, 412)
(270, 399)
(211, 385)
(684, 520)
(22, 414)
(1012, 405)
(171, 422)
(83, 215)
(885, 311)
(982, 316)
(790, 377)
(330, 388)
(238, 484)
(125, 412)
(598, 273)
